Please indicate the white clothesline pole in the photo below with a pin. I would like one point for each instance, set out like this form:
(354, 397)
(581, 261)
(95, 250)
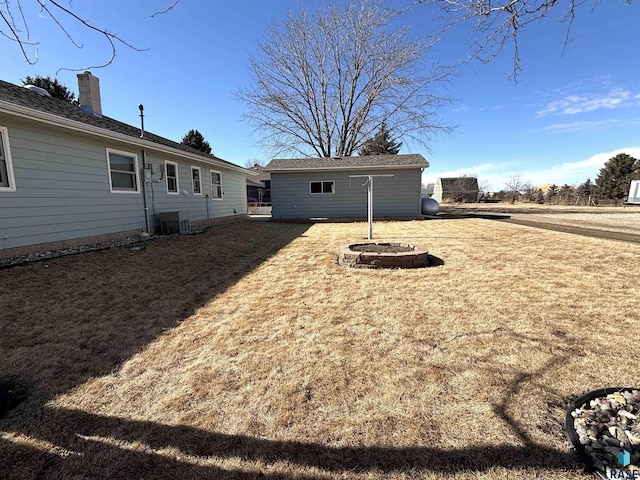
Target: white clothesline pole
(370, 207)
(369, 184)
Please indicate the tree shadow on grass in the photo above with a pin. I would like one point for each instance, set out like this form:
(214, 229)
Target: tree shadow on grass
(68, 319)
(78, 442)
(101, 445)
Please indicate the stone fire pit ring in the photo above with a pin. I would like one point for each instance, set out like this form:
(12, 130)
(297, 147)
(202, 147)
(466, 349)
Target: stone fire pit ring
(383, 255)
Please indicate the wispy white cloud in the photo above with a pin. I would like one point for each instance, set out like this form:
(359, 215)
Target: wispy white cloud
(495, 175)
(578, 125)
(572, 104)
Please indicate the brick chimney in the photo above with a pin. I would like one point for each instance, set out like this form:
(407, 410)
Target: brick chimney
(89, 96)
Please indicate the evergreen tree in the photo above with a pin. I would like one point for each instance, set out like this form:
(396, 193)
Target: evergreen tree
(381, 144)
(566, 194)
(552, 192)
(194, 139)
(539, 196)
(51, 85)
(615, 176)
(585, 189)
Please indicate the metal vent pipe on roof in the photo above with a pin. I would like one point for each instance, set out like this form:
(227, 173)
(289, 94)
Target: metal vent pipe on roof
(141, 107)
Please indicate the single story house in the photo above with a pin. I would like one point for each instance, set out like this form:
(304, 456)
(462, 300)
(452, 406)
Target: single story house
(70, 175)
(304, 188)
(456, 189)
(259, 186)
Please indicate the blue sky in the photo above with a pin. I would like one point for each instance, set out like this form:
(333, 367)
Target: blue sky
(568, 113)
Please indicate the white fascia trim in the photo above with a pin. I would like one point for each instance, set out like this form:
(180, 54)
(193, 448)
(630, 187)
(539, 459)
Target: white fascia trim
(346, 169)
(48, 118)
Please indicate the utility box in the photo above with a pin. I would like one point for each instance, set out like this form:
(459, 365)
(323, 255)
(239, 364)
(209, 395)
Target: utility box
(174, 222)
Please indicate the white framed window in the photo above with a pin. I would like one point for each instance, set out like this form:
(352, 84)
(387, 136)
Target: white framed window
(7, 180)
(216, 185)
(195, 181)
(123, 171)
(171, 173)
(324, 186)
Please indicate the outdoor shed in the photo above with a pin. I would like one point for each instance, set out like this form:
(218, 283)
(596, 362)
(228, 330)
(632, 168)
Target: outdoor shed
(304, 188)
(456, 189)
(634, 193)
(70, 175)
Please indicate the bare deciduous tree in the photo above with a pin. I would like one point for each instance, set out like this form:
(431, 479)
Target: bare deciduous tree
(325, 81)
(528, 191)
(514, 186)
(464, 189)
(14, 26)
(483, 186)
(499, 23)
(255, 162)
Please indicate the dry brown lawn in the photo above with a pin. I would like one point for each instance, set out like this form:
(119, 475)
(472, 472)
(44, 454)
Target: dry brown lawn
(247, 352)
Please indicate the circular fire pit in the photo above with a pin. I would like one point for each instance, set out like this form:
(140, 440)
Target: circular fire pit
(383, 255)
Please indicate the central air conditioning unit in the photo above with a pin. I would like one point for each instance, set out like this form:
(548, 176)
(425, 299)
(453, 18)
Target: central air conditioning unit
(174, 222)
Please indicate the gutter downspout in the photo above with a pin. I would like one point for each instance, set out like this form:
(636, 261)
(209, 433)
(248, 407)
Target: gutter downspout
(144, 172)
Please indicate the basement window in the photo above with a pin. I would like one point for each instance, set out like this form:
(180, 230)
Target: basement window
(7, 180)
(216, 185)
(123, 171)
(195, 180)
(325, 186)
(171, 168)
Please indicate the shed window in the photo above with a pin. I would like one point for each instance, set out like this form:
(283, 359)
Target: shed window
(195, 180)
(123, 171)
(325, 186)
(172, 176)
(216, 184)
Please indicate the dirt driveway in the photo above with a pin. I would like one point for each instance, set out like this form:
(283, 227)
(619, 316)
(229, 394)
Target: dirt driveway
(622, 223)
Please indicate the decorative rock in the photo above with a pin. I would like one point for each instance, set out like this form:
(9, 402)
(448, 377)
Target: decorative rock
(610, 441)
(633, 439)
(606, 425)
(612, 450)
(63, 252)
(628, 415)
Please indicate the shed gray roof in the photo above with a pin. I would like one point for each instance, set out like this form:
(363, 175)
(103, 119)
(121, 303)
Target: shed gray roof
(21, 96)
(413, 160)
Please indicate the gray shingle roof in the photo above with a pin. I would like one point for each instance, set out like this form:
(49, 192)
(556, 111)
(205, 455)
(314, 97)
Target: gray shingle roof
(413, 160)
(21, 96)
(262, 175)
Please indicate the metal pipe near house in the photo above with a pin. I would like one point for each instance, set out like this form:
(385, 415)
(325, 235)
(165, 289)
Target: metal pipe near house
(144, 172)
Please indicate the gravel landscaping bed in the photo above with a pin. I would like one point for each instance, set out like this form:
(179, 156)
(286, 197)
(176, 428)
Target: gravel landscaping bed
(134, 241)
(605, 430)
(49, 254)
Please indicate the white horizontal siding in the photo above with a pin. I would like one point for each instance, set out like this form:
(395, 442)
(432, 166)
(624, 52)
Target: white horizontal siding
(199, 207)
(62, 189)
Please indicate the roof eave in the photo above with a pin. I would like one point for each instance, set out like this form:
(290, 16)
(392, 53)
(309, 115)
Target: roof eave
(366, 167)
(48, 118)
